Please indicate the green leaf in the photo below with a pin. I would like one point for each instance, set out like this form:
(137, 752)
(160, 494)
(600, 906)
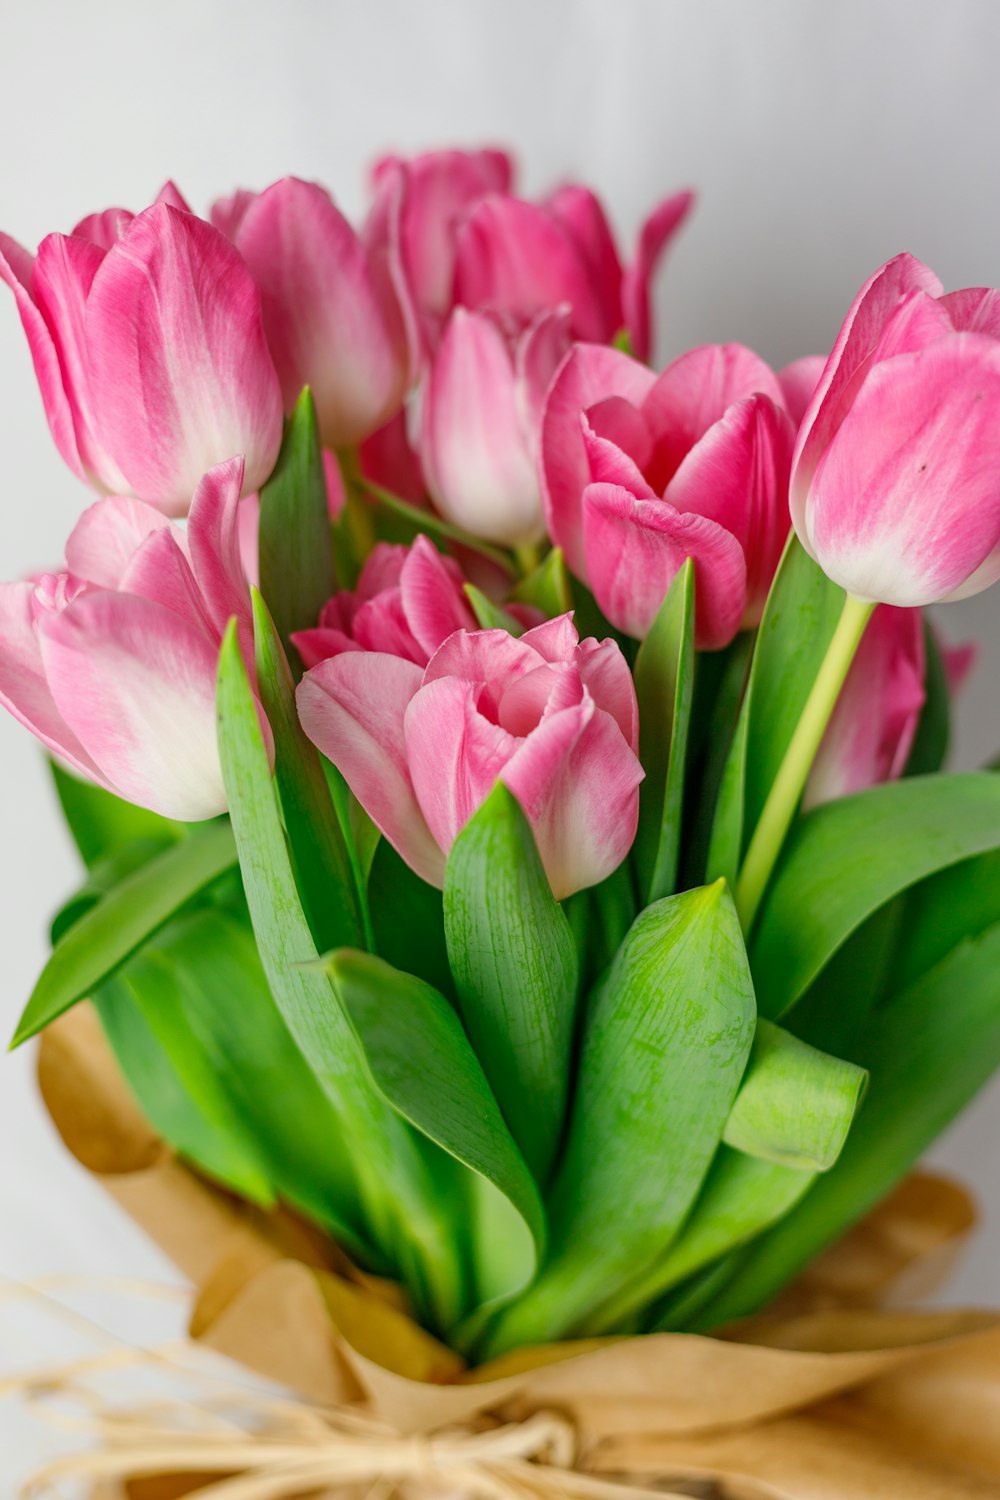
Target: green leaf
(102, 877)
(405, 1204)
(424, 1067)
(930, 743)
(664, 677)
(489, 615)
(847, 858)
(296, 548)
(101, 823)
(106, 935)
(408, 918)
(796, 1104)
(799, 619)
(514, 961)
(929, 1049)
(325, 875)
(663, 1054)
(548, 587)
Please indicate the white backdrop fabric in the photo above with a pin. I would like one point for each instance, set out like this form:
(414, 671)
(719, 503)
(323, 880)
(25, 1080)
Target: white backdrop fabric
(821, 138)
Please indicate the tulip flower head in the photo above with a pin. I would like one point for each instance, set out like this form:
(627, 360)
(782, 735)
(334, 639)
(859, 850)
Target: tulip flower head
(553, 717)
(895, 489)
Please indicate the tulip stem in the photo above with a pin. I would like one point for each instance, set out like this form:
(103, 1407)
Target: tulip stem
(527, 557)
(786, 791)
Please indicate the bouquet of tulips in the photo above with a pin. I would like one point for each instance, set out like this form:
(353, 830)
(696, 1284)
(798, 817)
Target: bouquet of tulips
(509, 778)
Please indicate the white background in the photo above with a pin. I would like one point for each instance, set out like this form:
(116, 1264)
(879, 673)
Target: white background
(822, 138)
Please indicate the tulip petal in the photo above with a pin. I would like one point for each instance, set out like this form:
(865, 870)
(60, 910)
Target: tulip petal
(329, 324)
(635, 549)
(213, 535)
(553, 640)
(353, 707)
(655, 238)
(610, 464)
(798, 381)
(484, 656)
(737, 475)
(589, 374)
(517, 257)
(103, 541)
(136, 684)
(605, 674)
(432, 597)
(104, 229)
(317, 645)
(160, 571)
(181, 377)
(905, 503)
(455, 754)
(16, 269)
(577, 782)
(24, 691)
(974, 309)
(537, 356)
(476, 459)
(848, 363)
(580, 212)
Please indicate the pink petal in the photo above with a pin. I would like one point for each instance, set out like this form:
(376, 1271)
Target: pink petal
(485, 656)
(317, 645)
(380, 624)
(181, 377)
(655, 238)
(104, 540)
(635, 549)
(553, 640)
(588, 375)
(975, 309)
(737, 475)
(623, 424)
(171, 195)
(959, 663)
(213, 535)
(798, 381)
(227, 214)
(24, 691)
(454, 752)
(17, 269)
(352, 707)
(870, 735)
(905, 504)
(478, 465)
(160, 571)
(605, 674)
(136, 683)
(580, 212)
(578, 783)
(515, 256)
(433, 602)
(330, 322)
(104, 229)
(248, 525)
(849, 362)
(610, 464)
(537, 356)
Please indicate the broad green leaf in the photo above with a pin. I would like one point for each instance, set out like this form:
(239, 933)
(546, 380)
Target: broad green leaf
(101, 822)
(930, 743)
(514, 961)
(489, 615)
(296, 547)
(434, 525)
(408, 919)
(847, 858)
(424, 1067)
(799, 618)
(324, 873)
(548, 587)
(720, 679)
(934, 916)
(663, 1054)
(103, 875)
(929, 1049)
(664, 676)
(124, 919)
(236, 1080)
(405, 1205)
(796, 1104)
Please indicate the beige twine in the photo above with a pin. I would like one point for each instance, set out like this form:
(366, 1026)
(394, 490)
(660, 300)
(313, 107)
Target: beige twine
(271, 1448)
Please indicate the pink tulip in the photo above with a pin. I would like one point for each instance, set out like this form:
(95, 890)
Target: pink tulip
(112, 662)
(869, 738)
(464, 240)
(641, 472)
(552, 717)
(148, 345)
(480, 414)
(895, 485)
(331, 309)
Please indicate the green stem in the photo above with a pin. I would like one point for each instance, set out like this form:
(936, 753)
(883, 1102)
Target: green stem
(428, 520)
(783, 798)
(527, 556)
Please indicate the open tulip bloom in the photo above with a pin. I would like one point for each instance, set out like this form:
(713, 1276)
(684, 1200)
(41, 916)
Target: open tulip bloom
(509, 777)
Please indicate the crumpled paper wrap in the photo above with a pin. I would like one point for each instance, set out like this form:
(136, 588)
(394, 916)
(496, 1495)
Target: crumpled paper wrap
(838, 1393)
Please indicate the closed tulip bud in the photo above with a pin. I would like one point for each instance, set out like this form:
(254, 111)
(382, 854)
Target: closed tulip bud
(149, 349)
(480, 415)
(895, 486)
(552, 717)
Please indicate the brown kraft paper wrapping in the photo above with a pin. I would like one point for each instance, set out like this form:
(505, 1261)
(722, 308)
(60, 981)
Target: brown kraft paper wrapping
(837, 1394)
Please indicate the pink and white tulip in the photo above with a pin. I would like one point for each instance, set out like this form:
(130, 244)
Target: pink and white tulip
(112, 662)
(870, 735)
(332, 312)
(481, 411)
(552, 717)
(641, 472)
(148, 344)
(895, 487)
